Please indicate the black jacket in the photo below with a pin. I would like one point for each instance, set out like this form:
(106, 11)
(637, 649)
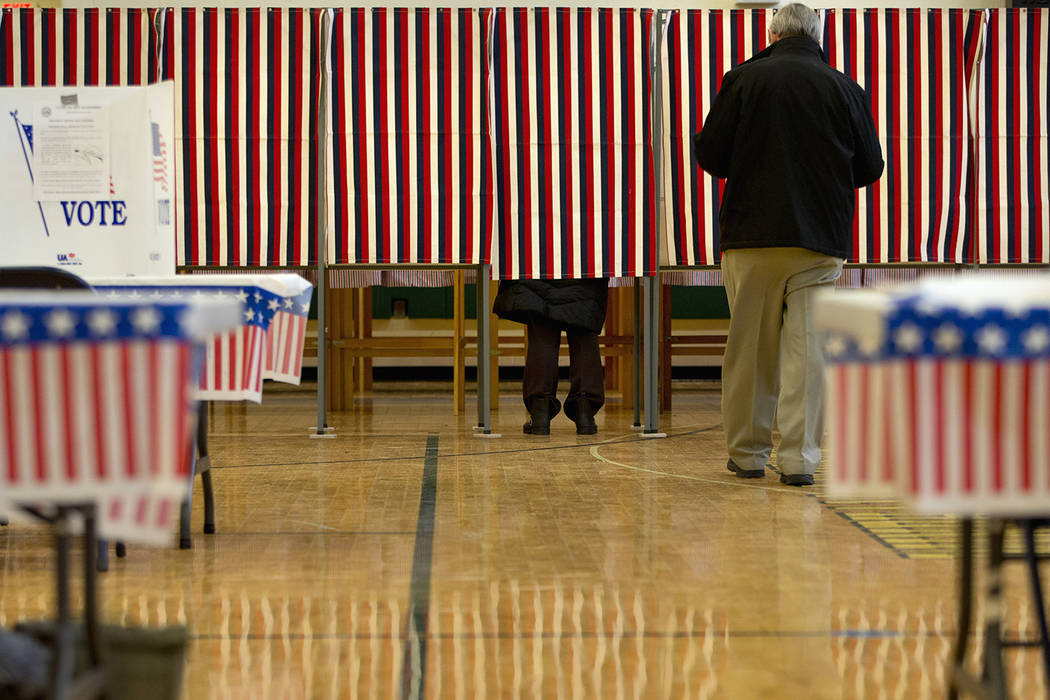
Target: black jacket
(793, 137)
(568, 304)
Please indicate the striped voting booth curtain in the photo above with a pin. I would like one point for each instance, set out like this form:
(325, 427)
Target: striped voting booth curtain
(409, 161)
(698, 48)
(1012, 117)
(574, 180)
(80, 47)
(246, 104)
(915, 64)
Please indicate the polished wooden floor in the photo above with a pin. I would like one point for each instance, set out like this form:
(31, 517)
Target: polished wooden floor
(408, 554)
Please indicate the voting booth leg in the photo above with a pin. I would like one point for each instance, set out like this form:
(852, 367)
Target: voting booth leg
(102, 560)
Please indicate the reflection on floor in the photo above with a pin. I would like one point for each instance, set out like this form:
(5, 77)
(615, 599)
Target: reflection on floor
(407, 554)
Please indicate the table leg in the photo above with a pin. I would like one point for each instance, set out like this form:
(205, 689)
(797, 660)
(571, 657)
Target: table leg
(993, 675)
(63, 658)
(204, 466)
(1037, 595)
(965, 605)
(90, 606)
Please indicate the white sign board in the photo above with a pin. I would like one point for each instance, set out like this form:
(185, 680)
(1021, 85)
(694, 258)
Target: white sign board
(88, 179)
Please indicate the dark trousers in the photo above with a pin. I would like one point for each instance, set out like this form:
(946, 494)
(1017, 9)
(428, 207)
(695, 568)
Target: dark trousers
(586, 376)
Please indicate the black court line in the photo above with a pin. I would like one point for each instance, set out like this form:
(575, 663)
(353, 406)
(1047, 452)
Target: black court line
(408, 458)
(414, 658)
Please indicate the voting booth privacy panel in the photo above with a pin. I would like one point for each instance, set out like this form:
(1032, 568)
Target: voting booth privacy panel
(521, 136)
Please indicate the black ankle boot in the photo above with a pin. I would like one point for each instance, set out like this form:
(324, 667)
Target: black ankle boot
(539, 422)
(585, 424)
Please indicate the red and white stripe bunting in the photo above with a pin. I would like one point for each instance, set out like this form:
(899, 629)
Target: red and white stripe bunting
(574, 184)
(1011, 119)
(248, 82)
(409, 161)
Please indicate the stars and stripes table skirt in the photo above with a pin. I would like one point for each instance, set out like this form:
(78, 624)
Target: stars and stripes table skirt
(96, 403)
(266, 344)
(939, 393)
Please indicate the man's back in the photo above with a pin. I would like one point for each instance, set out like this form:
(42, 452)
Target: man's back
(793, 137)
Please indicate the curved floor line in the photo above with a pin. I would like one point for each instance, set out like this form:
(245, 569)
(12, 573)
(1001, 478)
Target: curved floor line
(794, 490)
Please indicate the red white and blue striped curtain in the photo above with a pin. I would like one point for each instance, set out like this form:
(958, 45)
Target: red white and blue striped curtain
(80, 47)
(409, 159)
(574, 183)
(699, 47)
(1012, 151)
(916, 65)
(248, 89)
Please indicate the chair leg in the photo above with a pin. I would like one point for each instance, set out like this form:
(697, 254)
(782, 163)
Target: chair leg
(102, 560)
(204, 468)
(962, 637)
(209, 503)
(1037, 595)
(122, 549)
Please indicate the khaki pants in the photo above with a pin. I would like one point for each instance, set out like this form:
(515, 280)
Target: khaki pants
(773, 350)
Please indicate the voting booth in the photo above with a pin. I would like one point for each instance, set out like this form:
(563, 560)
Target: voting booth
(89, 184)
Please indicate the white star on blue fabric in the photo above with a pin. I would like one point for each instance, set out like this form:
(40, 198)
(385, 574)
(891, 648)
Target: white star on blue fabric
(15, 325)
(836, 346)
(304, 307)
(258, 297)
(991, 339)
(60, 323)
(274, 304)
(249, 315)
(242, 296)
(1036, 339)
(146, 320)
(288, 303)
(908, 337)
(102, 322)
(948, 338)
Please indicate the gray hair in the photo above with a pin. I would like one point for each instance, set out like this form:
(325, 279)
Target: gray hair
(796, 20)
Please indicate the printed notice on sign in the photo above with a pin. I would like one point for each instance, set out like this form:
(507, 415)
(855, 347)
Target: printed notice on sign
(71, 155)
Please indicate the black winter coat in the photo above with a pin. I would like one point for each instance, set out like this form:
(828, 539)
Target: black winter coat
(568, 304)
(793, 137)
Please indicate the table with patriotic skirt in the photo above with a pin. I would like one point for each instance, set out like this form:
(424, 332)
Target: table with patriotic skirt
(97, 403)
(938, 394)
(267, 344)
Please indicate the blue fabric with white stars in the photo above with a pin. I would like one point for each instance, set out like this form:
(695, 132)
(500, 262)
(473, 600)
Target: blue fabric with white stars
(913, 328)
(23, 323)
(260, 305)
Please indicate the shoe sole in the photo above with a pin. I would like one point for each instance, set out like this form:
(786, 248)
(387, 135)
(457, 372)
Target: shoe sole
(587, 431)
(536, 431)
(747, 473)
(797, 479)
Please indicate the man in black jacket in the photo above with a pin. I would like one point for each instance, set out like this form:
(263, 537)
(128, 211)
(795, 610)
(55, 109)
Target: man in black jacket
(794, 138)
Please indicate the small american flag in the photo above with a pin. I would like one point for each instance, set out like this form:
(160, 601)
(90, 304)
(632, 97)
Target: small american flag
(160, 160)
(942, 396)
(96, 402)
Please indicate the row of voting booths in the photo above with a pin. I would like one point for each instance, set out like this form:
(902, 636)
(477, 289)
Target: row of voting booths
(508, 142)
(545, 142)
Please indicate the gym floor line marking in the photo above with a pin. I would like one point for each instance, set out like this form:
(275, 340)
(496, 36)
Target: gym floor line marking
(794, 490)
